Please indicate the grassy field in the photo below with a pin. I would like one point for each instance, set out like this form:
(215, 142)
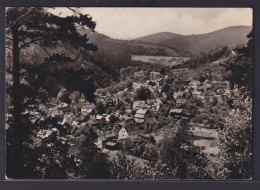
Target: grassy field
(165, 60)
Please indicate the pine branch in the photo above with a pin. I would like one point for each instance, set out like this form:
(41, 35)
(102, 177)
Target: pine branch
(8, 38)
(30, 42)
(44, 49)
(9, 48)
(76, 13)
(19, 18)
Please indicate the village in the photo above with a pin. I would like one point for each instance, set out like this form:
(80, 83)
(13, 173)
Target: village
(124, 122)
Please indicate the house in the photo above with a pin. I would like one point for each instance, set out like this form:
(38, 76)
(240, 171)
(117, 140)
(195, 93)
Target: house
(155, 75)
(180, 102)
(43, 134)
(123, 117)
(212, 151)
(88, 109)
(127, 131)
(90, 106)
(168, 81)
(57, 113)
(101, 100)
(141, 114)
(204, 133)
(43, 108)
(219, 98)
(194, 84)
(209, 147)
(108, 118)
(182, 82)
(160, 82)
(201, 88)
(82, 99)
(164, 95)
(78, 106)
(129, 111)
(117, 100)
(139, 75)
(93, 122)
(111, 145)
(220, 84)
(150, 101)
(109, 102)
(208, 86)
(177, 113)
(63, 106)
(110, 137)
(144, 106)
(196, 93)
(158, 100)
(100, 141)
(136, 104)
(99, 117)
(187, 114)
(177, 94)
(211, 94)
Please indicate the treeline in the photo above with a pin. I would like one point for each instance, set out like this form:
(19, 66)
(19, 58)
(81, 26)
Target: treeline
(168, 48)
(207, 57)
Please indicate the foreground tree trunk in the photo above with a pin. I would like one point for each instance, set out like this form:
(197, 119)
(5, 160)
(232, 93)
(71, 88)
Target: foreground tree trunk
(17, 101)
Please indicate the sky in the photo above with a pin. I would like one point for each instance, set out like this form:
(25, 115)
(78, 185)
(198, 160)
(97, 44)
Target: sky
(129, 23)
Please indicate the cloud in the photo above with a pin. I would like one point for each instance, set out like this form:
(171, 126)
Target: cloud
(135, 22)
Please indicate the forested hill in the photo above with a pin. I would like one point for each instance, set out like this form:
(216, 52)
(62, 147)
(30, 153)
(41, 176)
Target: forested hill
(105, 43)
(231, 36)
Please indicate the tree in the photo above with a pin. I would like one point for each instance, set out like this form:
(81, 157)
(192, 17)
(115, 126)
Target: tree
(113, 118)
(35, 26)
(75, 96)
(241, 67)
(109, 110)
(162, 71)
(126, 168)
(236, 140)
(129, 84)
(101, 108)
(143, 93)
(181, 158)
(44, 158)
(165, 88)
(94, 164)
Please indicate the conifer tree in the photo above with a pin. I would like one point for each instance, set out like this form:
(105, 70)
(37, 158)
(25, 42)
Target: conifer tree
(26, 26)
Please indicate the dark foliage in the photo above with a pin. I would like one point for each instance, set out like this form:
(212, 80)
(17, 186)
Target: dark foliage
(35, 26)
(241, 67)
(143, 93)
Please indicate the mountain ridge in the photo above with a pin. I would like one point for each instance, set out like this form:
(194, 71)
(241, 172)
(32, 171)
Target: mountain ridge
(231, 36)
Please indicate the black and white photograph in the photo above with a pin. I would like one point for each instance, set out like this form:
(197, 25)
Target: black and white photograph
(128, 93)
